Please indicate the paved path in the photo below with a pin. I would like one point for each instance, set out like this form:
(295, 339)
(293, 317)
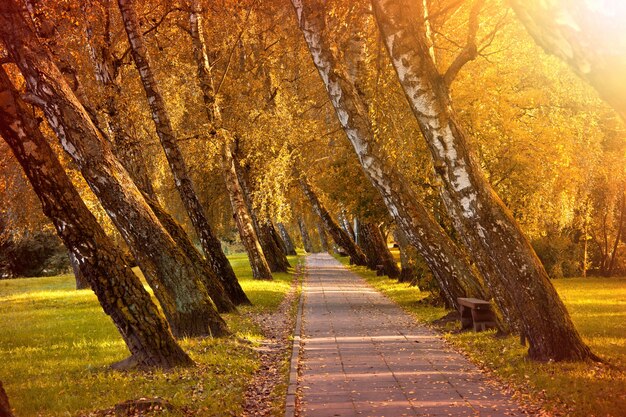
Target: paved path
(363, 356)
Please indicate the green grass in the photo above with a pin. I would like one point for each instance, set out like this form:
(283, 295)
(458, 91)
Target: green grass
(56, 344)
(597, 307)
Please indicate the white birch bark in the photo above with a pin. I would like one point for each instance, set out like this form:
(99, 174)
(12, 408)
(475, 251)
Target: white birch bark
(502, 253)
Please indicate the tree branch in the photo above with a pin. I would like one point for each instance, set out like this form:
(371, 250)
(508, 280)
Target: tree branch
(470, 51)
(151, 29)
(232, 50)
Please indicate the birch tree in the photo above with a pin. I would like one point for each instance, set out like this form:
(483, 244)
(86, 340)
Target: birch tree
(216, 272)
(174, 279)
(589, 37)
(290, 248)
(502, 253)
(209, 242)
(231, 169)
(260, 268)
(306, 238)
(447, 262)
(100, 262)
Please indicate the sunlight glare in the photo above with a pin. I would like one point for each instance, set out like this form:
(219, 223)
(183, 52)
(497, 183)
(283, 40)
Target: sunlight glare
(608, 8)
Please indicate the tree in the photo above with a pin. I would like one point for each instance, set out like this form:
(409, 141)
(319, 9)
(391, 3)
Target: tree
(408, 259)
(447, 262)
(128, 150)
(502, 253)
(242, 211)
(5, 407)
(590, 38)
(341, 238)
(322, 234)
(304, 233)
(165, 132)
(270, 242)
(172, 276)
(101, 263)
(290, 248)
(376, 249)
(81, 281)
(260, 268)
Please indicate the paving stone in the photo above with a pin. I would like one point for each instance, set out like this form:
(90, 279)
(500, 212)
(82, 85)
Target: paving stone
(363, 356)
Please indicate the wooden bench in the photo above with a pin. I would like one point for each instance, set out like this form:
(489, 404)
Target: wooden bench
(477, 313)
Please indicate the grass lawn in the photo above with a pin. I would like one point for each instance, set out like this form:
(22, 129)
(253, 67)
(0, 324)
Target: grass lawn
(56, 344)
(598, 309)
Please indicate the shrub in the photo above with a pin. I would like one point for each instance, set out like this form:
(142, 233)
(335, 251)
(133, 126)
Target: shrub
(36, 254)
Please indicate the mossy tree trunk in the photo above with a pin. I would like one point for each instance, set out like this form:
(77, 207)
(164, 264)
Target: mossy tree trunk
(290, 248)
(376, 250)
(260, 268)
(273, 248)
(494, 240)
(222, 295)
(172, 276)
(98, 259)
(449, 265)
(341, 238)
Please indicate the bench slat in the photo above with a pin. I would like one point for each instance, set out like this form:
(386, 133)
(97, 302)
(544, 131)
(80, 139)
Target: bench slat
(473, 302)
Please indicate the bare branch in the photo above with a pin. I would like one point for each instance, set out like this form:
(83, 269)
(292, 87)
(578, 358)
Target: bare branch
(232, 50)
(450, 7)
(152, 28)
(470, 51)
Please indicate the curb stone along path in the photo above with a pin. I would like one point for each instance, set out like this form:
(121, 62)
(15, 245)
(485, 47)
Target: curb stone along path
(364, 356)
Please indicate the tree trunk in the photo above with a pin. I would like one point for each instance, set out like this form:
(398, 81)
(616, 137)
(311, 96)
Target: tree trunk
(127, 150)
(205, 82)
(306, 239)
(355, 228)
(618, 235)
(345, 224)
(501, 252)
(260, 268)
(408, 259)
(278, 239)
(447, 262)
(5, 407)
(323, 239)
(204, 76)
(589, 38)
(290, 248)
(102, 264)
(341, 238)
(274, 254)
(272, 250)
(81, 282)
(222, 295)
(376, 249)
(173, 278)
(209, 242)
(107, 74)
(275, 248)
